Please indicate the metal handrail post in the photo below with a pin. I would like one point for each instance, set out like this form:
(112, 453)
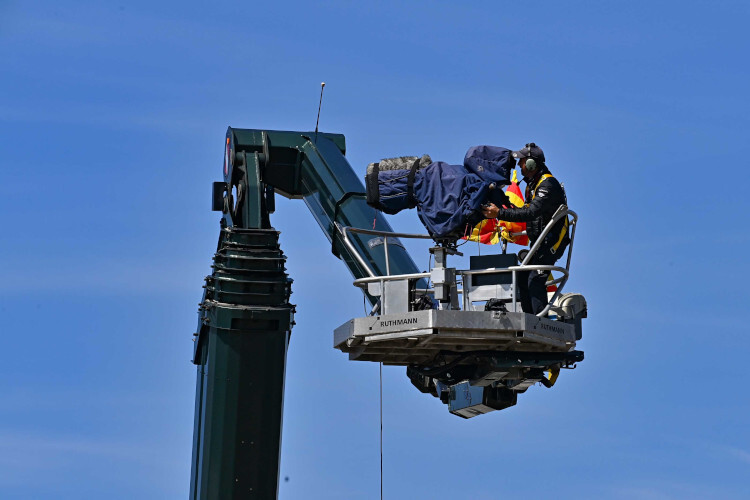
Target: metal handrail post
(373, 279)
(387, 263)
(355, 253)
(561, 212)
(572, 238)
(388, 233)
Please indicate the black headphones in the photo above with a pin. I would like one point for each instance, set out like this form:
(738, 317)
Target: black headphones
(531, 165)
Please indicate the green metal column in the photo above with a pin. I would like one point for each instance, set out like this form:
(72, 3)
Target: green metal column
(245, 318)
(245, 322)
(242, 382)
(245, 325)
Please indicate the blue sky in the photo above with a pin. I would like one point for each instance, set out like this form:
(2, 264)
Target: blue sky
(112, 117)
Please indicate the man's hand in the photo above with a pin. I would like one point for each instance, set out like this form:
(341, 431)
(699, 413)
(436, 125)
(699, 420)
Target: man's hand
(490, 210)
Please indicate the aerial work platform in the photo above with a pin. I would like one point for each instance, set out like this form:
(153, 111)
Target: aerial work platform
(480, 344)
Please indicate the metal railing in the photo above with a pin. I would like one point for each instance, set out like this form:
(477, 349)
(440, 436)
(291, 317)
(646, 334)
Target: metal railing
(345, 230)
(563, 211)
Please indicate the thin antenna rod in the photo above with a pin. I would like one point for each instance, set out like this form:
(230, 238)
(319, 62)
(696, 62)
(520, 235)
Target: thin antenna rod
(320, 103)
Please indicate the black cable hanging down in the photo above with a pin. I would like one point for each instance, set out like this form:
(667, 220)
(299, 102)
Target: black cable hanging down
(381, 430)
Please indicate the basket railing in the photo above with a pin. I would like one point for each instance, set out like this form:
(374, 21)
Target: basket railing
(525, 265)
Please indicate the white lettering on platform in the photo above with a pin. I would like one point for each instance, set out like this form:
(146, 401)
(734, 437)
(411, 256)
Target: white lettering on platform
(398, 322)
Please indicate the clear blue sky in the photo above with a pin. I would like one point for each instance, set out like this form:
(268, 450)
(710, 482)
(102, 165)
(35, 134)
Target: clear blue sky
(112, 117)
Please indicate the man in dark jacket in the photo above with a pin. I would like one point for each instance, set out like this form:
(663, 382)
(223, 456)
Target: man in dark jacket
(544, 195)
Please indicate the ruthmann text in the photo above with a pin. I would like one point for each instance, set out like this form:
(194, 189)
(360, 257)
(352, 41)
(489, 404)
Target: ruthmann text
(398, 322)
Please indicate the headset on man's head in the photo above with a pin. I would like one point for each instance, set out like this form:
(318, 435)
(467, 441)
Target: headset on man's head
(531, 164)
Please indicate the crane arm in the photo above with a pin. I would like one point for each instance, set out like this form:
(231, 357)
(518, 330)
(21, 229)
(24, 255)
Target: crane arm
(312, 167)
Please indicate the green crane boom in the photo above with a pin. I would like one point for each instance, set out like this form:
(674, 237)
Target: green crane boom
(245, 318)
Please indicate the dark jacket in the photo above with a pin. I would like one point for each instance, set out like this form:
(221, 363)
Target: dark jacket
(542, 201)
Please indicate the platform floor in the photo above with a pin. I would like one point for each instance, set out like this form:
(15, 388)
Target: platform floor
(418, 337)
